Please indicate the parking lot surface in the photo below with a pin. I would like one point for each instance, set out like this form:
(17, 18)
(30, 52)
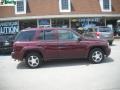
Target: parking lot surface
(62, 75)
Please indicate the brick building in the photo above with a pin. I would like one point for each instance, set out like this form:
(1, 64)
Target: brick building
(19, 14)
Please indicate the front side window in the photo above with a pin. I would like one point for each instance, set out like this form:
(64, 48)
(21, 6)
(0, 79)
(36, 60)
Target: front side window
(20, 7)
(67, 35)
(65, 5)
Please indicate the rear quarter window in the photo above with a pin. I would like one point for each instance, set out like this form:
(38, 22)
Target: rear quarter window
(25, 36)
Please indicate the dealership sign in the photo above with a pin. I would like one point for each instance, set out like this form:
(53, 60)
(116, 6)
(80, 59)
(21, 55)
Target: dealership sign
(9, 27)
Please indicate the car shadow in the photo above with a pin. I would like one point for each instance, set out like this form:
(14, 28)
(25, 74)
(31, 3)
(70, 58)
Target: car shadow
(108, 60)
(113, 45)
(64, 63)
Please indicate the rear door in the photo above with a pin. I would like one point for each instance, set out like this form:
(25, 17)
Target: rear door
(49, 43)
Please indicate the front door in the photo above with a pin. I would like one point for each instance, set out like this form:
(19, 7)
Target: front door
(69, 45)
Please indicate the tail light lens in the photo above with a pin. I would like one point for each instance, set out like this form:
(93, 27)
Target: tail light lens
(98, 34)
(17, 47)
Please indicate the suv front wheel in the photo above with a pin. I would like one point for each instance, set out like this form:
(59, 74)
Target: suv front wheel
(96, 55)
(33, 60)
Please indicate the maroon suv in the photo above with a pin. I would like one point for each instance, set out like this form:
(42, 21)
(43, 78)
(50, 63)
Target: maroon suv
(36, 45)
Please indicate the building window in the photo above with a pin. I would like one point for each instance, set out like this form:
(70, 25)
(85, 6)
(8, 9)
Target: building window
(44, 23)
(20, 7)
(106, 5)
(65, 5)
(62, 23)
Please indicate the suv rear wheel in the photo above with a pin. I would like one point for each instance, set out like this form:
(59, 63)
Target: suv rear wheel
(96, 55)
(33, 60)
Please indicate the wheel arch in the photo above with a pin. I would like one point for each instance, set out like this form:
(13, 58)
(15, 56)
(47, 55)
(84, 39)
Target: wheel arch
(32, 51)
(100, 47)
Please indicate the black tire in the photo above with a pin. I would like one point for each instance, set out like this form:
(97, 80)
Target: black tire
(33, 60)
(94, 58)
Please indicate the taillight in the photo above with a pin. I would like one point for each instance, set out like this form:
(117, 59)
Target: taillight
(98, 34)
(17, 47)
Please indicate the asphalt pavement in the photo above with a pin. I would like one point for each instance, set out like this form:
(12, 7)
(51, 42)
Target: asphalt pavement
(62, 75)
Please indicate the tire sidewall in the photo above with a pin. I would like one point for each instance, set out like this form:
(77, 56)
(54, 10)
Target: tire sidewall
(91, 53)
(33, 54)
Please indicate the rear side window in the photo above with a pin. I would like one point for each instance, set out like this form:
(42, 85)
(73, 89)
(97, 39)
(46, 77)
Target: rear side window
(47, 35)
(25, 36)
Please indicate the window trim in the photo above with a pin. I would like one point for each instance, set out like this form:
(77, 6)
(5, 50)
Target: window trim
(66, 10)
(102, 6)
(25, 7)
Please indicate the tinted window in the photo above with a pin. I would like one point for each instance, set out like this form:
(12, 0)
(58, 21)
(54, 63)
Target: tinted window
(67, 35)
(25, 36)
(49, 35)
(41, 35)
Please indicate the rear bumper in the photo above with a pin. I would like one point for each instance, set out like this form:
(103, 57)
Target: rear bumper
(16, 56)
